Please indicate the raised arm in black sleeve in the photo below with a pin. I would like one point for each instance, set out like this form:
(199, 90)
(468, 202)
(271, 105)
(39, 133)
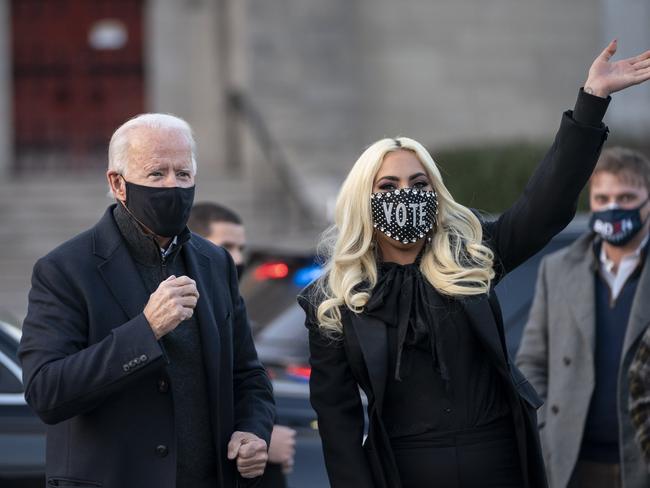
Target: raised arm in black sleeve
(549, 201)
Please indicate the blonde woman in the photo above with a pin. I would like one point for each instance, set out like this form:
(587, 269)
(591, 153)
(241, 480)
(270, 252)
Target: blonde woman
(406, 311)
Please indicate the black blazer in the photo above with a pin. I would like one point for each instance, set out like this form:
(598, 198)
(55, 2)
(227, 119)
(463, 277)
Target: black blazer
(546, 206)
(94, 371)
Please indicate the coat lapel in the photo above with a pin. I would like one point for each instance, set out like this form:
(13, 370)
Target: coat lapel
(118, 269)
(578, 288)
(198, 268)
(373, 341)
(482, 320)
(640, 313)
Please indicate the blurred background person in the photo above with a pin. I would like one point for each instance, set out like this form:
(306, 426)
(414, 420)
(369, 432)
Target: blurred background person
(590, 308)
(221, 226)
(225, 228)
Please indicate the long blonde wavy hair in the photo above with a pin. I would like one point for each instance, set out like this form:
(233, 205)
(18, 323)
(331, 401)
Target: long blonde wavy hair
(456, 263)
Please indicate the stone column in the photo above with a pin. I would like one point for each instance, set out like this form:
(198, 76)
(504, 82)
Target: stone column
(183, 71)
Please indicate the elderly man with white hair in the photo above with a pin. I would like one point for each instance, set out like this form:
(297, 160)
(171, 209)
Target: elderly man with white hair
(136, 348)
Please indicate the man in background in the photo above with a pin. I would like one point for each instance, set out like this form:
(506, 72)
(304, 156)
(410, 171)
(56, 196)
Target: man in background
(224, 228)
(590, 310)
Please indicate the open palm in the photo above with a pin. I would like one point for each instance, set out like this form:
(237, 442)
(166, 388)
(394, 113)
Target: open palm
(607, 77)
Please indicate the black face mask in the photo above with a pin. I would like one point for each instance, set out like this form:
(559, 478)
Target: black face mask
(617, 226)
(406, 215)
(240, 270)
(164, 211)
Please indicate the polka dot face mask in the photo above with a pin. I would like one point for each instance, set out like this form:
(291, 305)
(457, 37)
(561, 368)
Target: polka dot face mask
(406, 215)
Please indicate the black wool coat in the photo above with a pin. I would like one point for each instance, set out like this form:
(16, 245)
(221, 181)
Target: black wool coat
(339, 368)
(94, 372)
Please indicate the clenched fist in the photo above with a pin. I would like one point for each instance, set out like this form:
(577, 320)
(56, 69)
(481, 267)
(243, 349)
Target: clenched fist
(170, 304)
(250, 453)
(283, 447)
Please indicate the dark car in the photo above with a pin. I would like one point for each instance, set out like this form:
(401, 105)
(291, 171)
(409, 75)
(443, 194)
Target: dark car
(22, 434)
(516, 290)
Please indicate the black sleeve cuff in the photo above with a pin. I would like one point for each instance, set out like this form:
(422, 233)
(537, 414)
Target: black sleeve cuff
(590, 109)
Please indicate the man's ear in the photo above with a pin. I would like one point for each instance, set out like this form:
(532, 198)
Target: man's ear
(116, 182)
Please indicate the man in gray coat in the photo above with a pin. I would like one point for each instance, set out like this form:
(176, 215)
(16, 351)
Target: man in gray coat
(590, 309)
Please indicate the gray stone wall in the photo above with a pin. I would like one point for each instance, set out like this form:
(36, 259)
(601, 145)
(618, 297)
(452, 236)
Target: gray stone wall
(450, 72)
(333, 77)
(344, 74)
(629, 21)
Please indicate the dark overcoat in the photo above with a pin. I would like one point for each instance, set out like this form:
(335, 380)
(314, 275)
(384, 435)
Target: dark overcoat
(94, 371)
(339, 368)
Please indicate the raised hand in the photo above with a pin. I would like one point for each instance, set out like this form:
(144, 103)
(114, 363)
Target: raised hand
(606, 76)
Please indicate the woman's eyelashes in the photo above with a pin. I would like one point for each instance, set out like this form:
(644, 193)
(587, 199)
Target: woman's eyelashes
(387, 186)
(390, 186)
(420, 185)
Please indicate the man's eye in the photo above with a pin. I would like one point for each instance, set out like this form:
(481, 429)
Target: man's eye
(155, 173)
(183, 174)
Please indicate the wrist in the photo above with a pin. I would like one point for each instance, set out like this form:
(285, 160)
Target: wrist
(595, 90)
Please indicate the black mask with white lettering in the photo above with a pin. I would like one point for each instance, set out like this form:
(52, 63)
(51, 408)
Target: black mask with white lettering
(163, 210)
(406, 215)
(618, 226)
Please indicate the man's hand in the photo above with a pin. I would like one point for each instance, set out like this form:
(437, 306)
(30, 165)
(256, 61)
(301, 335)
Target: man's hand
(170, 304)
(250, 452)
(606, 77)
(283, 447)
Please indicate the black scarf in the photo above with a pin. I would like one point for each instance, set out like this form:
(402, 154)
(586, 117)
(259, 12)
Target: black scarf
(404, 299)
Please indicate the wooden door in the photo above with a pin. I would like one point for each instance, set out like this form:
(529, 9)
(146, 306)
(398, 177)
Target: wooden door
(77, 75)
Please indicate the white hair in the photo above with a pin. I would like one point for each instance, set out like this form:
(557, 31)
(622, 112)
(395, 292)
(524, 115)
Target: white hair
(118, 148)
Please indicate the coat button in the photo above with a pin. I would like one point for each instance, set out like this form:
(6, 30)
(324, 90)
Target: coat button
(163, 385)
(162, 450)
(566, 360)
(555, 409)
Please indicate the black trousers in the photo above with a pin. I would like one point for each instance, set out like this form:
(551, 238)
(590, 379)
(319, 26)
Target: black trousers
(484, 457)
